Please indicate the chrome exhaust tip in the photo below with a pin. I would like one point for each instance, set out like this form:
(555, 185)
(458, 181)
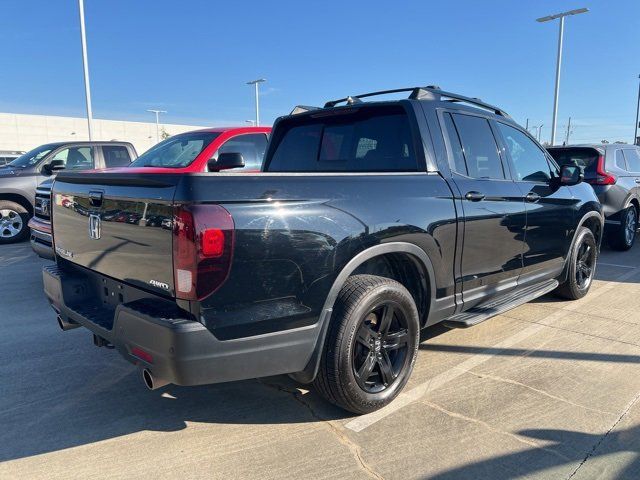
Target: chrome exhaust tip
(152, 382)
(66, 325)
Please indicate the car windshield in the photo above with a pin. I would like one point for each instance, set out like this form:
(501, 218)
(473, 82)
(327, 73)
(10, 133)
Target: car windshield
(32, 157)
(176, 152)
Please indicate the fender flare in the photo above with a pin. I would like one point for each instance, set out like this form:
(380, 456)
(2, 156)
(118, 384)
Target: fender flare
(311, 370)
(629, 200)
(585, 217)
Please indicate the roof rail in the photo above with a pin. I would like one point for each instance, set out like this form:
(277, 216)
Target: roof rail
(430, 92)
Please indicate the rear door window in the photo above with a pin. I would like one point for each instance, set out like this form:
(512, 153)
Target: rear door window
(633, 159)
(359, 140)
(116, 156)
(479, 147)
(251, 146)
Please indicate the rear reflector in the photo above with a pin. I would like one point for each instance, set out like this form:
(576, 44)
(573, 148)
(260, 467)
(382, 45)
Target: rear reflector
(141, 354)
(203, 237)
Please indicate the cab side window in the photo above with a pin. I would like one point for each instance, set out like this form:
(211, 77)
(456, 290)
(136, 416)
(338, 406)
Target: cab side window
(252, 147)
(478, 147)
(529, 160)
(115, 156)
(76, 157)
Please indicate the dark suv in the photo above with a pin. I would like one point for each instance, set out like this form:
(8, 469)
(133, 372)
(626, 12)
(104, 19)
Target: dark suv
(613, 171)
(368, 222)
(19, 178)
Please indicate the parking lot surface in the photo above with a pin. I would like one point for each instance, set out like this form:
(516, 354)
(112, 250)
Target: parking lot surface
(549, 390)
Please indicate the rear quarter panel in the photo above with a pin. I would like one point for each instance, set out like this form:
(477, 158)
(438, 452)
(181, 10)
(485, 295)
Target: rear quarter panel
(296, 232)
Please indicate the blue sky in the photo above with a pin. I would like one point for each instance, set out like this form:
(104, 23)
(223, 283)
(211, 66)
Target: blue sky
(192, 58)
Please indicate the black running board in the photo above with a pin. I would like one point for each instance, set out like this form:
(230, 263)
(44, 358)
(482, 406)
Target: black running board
(512, 300)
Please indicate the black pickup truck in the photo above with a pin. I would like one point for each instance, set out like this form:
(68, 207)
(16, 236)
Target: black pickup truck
(369, 221)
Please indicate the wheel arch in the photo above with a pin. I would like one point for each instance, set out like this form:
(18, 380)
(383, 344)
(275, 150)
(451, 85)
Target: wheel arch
(420, 259)
(19, 199)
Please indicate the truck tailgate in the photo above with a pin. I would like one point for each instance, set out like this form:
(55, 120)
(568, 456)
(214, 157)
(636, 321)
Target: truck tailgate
(117, 224)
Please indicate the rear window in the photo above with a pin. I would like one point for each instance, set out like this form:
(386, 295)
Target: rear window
(176, 152)
(116, 156)
(352, 140)
(581, 156)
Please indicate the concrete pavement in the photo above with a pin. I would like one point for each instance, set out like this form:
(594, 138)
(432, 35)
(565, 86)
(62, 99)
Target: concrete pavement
(548, 391)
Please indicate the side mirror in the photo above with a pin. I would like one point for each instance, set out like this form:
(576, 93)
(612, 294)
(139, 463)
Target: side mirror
(54, 166)
(571, 175)
(226, 161)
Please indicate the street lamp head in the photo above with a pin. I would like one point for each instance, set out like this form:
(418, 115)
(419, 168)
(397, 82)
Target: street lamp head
(563, 14)
(259, 80)
(156, 111)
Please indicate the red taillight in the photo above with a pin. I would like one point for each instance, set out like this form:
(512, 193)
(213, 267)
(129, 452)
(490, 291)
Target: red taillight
(203, 237)
(602, 176)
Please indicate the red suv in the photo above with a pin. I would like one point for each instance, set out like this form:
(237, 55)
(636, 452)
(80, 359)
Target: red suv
(190, 152)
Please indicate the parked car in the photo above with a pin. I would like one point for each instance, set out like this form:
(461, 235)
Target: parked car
(173, 155)
(19, 179)
(8, 156)
(613, 171)
(368, 222)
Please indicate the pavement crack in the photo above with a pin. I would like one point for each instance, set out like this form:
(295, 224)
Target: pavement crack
(490, 427)
(603, 438)
(341, 436)
(537, 390)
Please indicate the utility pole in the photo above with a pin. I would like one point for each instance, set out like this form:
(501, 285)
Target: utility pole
(561, 16)
(157, 112)
(527, 125)
(255, 83)
(566, 142)
(540, 133)
(85, 66)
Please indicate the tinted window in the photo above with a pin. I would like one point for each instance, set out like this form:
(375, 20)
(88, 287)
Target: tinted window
(581, 156)
(479, 147)
(177, 151)
(528, 159)
(366, 140)
(633, 160)
(78, 158)
(116, 156)
(459, 165)
(251, 147)
(620, 161)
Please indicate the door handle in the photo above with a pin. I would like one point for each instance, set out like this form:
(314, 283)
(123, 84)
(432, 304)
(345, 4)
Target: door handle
(532, 197)
(474, 196)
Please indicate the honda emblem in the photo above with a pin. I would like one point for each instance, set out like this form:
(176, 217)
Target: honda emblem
(95, 227)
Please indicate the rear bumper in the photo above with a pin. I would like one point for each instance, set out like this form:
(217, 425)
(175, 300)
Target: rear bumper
(183, 351)
(41, 239)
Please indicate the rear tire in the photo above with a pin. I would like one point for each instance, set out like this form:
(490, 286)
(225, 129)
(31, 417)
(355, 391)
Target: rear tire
(582, 266)
(371, 345)
(13, 222)
(623, 237)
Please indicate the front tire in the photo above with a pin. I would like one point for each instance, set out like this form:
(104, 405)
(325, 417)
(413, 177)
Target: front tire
(13, 222)
(623, 238)
(371, 344)
(582, 266)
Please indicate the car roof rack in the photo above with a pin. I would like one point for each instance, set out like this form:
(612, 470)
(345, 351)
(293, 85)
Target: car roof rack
(430, 92)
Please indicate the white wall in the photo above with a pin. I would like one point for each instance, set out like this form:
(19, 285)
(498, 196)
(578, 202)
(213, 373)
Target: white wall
(24, 132)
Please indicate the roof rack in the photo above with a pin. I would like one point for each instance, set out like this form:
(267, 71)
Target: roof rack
(430, 92)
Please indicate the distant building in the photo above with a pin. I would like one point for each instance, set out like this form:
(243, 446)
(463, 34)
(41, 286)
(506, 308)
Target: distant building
(24, 132)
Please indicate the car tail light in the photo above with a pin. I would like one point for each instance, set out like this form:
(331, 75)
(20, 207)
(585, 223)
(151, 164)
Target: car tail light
(203, 237)
(602, 176)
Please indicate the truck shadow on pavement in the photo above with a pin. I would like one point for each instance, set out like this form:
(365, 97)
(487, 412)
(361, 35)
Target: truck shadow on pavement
(118, 404)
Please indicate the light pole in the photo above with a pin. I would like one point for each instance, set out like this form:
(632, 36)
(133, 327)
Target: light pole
(85, 66)
(540, 133)
(635, 135)
(157, 112)
(548, 18)
(255, 83)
